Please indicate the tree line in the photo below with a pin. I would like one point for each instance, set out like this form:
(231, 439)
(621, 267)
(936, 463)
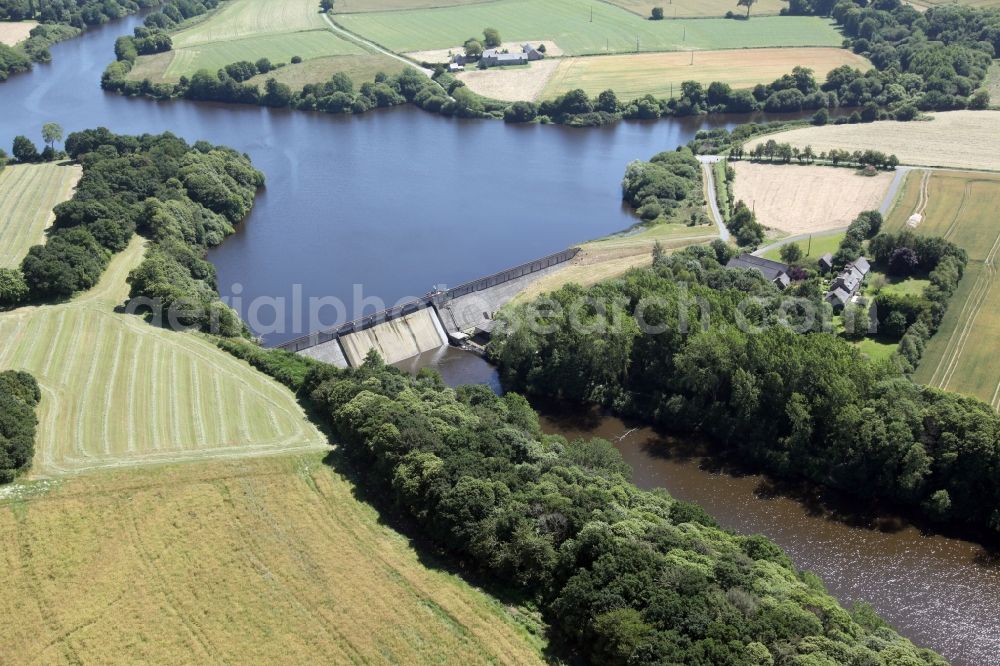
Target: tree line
(19, 396)
(184, 198)
(59, 20)
(621, 575)
(786, 152)
(797, 404)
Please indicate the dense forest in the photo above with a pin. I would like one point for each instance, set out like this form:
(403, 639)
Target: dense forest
(659, 189)
(622, 575)
(183, 198)
(19, 395)
(694, 346)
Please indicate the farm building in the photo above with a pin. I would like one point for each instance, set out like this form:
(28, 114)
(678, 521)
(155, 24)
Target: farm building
(773, 271)
(847, 283)
(502, 58)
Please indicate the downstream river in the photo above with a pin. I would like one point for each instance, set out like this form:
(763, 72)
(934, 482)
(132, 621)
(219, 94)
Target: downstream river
(389, 204)
(942, 593)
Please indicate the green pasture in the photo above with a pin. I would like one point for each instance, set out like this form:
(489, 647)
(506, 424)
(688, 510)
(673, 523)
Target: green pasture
(582, 28)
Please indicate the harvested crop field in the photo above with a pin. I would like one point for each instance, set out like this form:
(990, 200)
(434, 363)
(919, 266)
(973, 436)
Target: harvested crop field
(260, 561)
(15, 32)
(661, 74)
(511, 84)
(985, 4)
(802, 199)
(961, 207)
(699, 8)
(955, 139)
(118, 391)
(569, 24)
(28, 193)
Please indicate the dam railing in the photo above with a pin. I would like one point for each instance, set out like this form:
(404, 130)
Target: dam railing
(434, 298)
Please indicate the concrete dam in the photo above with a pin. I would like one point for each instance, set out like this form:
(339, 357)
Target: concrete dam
(436, 319)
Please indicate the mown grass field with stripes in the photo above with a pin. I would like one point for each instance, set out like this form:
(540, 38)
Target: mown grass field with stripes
(961, 207)
(118, 391)
(28, 192)
(266, 561)
(569, 24)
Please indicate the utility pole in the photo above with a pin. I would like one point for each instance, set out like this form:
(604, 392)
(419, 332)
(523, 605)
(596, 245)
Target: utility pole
(810, 250)
(692, 57)
(591, 14)
(637, 43)
(685, 33)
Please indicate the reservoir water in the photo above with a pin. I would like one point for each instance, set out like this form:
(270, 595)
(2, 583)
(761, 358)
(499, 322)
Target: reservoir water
(399, 201)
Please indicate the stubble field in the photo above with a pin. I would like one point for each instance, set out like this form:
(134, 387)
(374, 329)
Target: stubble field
(568, 23)
(961, 207)
(254, 561)
(661, 74)
(28, 192)
(801, 199)
(14, 32)
(954, 139)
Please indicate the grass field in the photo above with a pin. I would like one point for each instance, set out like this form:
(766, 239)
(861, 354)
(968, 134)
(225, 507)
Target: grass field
(248, 30)
(610, 257)
(261, 561)
(118, 391)
(356, 6)
(957, 139)
(360, 68)
(28, 192)
(15, 32)
(962, 208)
(801, 199)
(568, 23)
(699, 8)
(821, 244)
(661, 74)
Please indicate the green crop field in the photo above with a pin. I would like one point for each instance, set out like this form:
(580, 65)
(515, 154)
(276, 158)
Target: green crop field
(247, 30)
(569, 24)
(993, 83)
(118, 391)
(359, 68)
(699, 8)
(265, 561)
(276, 47)
(28, 192)
(962, 208)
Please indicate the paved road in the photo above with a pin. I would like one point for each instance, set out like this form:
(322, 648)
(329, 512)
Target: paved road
(350, 36)
(709, 174)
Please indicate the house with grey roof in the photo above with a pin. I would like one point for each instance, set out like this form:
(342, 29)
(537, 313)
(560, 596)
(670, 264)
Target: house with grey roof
(848, 283)
(826, 263)
(773, 271)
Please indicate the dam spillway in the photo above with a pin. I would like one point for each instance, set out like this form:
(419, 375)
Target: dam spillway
(425, 323)
(397, 339)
